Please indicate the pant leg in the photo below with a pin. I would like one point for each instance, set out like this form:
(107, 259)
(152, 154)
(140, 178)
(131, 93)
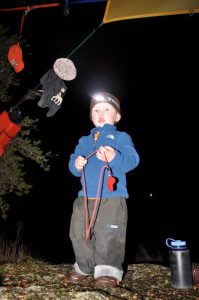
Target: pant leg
(110, 237)
(83, 249)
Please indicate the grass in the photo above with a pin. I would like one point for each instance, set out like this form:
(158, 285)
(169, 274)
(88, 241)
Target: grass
(13, 251)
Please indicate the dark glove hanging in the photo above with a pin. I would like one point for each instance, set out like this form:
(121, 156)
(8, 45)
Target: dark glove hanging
(53, 90)
(56, 102)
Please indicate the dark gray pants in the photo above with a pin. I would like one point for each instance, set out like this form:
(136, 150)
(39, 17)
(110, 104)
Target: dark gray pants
(108, 236)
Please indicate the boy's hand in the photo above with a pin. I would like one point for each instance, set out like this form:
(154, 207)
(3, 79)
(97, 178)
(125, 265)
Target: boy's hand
(80, 162)
(105, 153)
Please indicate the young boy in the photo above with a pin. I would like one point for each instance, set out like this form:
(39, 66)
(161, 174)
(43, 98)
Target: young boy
(99, 218)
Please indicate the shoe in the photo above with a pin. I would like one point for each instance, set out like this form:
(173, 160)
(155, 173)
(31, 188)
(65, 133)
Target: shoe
(75, 277)
(106, 281)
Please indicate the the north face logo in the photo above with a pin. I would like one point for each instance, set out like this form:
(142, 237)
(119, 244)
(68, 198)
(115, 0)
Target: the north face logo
(110, 136)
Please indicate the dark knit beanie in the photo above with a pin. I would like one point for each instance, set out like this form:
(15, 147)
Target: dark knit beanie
(105, 98)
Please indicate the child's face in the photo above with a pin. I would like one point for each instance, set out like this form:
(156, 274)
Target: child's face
(104, 113)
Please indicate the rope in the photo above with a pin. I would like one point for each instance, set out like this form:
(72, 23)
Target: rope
(22, 22)
(96, 206)
(30, 7)
(88, 224)
(79, 45)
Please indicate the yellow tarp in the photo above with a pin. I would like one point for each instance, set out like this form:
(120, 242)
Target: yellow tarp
(117, 10)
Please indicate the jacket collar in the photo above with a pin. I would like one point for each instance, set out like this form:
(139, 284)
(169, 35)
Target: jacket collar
(105, 127)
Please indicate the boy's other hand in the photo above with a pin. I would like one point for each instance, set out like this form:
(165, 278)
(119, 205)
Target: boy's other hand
(80, 162)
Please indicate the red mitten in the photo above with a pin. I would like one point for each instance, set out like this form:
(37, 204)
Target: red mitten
(15, 57)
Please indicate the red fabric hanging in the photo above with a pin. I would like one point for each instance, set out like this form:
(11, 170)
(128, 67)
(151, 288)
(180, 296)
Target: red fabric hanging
(8, 130)
(15, 58)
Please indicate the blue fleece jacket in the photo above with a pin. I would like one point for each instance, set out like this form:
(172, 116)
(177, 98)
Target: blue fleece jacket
(126, 159)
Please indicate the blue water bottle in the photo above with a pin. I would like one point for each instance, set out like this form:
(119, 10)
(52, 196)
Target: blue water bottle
(181, 273)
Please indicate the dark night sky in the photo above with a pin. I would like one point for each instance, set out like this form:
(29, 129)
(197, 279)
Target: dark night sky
(151, 65)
